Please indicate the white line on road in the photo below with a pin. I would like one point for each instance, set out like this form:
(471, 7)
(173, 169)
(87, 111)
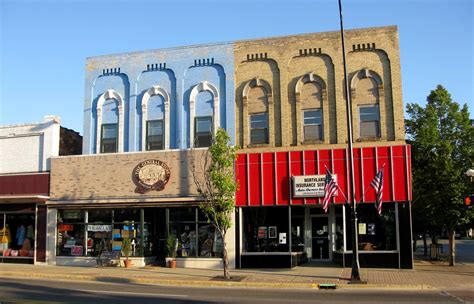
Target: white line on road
(135, 293)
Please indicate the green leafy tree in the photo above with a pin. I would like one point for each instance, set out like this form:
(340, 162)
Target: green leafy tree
(215, 181)
(442, 138)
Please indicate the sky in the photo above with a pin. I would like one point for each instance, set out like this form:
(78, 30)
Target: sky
(44, 43)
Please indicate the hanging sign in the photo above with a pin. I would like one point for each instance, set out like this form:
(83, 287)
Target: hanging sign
(310, 185)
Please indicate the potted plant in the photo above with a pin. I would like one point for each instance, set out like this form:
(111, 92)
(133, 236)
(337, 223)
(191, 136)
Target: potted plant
(126, 250)
(171, 246)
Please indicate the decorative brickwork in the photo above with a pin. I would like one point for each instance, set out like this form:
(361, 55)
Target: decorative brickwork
(283, 62)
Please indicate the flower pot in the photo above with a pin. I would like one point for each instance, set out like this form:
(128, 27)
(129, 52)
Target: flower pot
(172, 263)
(127, 263)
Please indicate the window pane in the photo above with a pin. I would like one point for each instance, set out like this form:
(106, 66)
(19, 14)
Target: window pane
(313, 117)
(369, 121)
(258, 136)
(262, 227)
(313, 132)
(109, 131)
(209, 242)
(369, 113)
(182, 214)
(259, 128)
(154, 135)
(186, 235)
(203, 124)
(203, 136)
(369, 129)
(108, 140)
(312, 125)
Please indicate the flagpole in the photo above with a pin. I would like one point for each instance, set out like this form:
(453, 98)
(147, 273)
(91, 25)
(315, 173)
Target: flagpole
(355, 273)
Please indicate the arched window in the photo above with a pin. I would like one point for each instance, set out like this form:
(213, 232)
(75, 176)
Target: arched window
(155, 119)
(366, 90)
(257, 112)
(109, 123)
(311, 109)
(204, 114)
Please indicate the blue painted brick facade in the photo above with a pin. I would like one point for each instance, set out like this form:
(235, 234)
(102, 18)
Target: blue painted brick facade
(176, 71)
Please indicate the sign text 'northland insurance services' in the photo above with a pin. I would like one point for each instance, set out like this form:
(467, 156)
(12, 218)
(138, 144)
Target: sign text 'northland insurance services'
(310, 185)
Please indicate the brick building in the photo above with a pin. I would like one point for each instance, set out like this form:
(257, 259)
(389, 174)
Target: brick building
(149, 114)
(25, 165)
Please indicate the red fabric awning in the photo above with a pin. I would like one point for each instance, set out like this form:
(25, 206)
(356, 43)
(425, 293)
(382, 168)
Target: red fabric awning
(265, 179)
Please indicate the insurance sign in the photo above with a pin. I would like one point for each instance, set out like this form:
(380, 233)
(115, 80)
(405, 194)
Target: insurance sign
(310, 185)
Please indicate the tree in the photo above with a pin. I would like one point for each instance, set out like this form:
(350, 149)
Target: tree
(442, 138)
(215, 181)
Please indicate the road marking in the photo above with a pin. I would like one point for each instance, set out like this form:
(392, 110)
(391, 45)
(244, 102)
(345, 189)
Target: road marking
(135, 293)
(447, 294)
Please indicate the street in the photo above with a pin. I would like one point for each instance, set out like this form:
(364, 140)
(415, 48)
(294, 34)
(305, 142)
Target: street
(51, 291)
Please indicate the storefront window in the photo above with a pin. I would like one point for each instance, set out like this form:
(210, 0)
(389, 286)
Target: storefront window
(99, 231)
(339, 233)
(70, 237)
(17, 235)
(297, 229)
(265, 229)
(376, 232)
(183, 223)
(91, 232)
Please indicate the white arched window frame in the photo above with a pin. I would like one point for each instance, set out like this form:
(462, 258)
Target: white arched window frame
(203, 86)
(110, 94)
(156, 90)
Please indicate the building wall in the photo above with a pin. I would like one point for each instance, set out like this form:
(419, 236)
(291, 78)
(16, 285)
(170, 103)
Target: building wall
(108, 178)
(28, 147)
(281, 63)
(176, 71)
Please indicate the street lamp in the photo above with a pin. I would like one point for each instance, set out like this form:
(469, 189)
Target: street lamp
(355, 273)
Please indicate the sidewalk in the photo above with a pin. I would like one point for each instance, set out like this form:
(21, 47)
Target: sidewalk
(426, 275)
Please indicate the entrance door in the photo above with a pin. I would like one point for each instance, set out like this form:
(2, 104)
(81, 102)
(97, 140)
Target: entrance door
(320, 237)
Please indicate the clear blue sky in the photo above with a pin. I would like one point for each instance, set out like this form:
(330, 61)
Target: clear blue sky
(44, 43)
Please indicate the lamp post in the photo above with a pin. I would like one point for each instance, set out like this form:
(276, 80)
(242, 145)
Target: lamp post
(355, 273)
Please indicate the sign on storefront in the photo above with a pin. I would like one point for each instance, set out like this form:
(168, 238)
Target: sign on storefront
(310, 185)
(99, 228)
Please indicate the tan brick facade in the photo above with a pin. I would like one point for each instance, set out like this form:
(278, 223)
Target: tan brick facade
(284, 62)
(108, 178)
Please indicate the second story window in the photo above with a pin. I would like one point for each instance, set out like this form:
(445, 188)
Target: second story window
(259, 128)
(109, 138)
(154, 135)
(203, 132)
(369, 120)
(313, 125)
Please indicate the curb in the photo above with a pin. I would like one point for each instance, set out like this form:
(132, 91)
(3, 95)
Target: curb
(208, 283)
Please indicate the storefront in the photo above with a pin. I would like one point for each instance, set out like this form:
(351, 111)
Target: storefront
(23, 218)
(279, 227)
(99, 200)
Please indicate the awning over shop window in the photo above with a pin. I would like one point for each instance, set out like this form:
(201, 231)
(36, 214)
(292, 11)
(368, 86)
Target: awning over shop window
(265, 179)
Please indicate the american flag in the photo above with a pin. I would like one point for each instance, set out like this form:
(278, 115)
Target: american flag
(377, 184)
(330, 188)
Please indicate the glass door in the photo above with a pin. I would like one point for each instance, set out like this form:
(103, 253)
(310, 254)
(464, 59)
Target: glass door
(320, 237)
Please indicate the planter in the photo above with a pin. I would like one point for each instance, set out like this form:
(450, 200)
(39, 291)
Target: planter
(171, 262)
(127, 263)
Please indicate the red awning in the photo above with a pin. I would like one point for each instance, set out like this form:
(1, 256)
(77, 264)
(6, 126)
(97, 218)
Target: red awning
(265, 179)
(21, 185)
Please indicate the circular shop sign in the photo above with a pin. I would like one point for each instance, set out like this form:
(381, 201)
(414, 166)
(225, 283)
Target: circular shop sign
(150, 175)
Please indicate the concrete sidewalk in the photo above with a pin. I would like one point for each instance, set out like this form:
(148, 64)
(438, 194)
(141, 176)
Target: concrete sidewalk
(426, 275)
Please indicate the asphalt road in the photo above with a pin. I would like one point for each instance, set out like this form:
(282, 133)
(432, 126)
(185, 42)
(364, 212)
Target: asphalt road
(49, 291)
